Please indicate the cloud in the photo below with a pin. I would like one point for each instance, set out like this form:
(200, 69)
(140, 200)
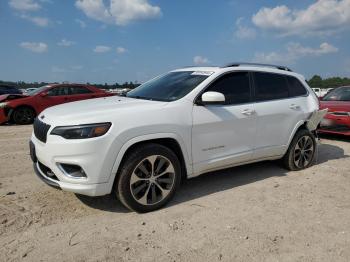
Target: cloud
(294, 51)
(244, 32)
(57, 69)
(81, 23)
(102, 49)
(200, 60)
(24, 5)
(119, 12)
(39, 21)
(121, 50)
(36, 47)
(65, 43)
(320, 18)
(71, 69)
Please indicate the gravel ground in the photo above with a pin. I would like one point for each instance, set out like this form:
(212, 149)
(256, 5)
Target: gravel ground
(257, 212)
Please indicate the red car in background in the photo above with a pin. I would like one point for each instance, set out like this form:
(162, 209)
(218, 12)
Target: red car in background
(337, 120)
(22, 109)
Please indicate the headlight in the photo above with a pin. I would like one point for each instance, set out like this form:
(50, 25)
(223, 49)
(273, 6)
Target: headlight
(81, 131)
(3, 104)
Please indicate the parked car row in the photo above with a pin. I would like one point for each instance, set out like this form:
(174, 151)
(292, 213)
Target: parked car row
(7, 89)
(23, 108)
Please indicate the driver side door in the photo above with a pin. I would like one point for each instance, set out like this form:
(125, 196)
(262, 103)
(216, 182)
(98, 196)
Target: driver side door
(223, 135)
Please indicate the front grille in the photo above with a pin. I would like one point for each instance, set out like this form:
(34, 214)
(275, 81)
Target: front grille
(40, 130)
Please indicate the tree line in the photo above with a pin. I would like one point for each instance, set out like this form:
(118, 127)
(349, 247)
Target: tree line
(315, 81)
(25, 85)
(332, 82)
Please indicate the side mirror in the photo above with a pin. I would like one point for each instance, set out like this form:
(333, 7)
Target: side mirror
(213, 98)
(43, 94)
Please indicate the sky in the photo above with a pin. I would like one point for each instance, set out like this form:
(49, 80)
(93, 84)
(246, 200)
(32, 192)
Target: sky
(109, 41)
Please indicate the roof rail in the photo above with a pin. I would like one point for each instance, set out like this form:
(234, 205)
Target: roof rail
(258, 64)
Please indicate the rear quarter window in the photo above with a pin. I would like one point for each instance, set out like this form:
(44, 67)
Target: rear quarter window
(296, 88)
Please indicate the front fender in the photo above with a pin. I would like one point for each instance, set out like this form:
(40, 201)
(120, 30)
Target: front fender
(148, 137)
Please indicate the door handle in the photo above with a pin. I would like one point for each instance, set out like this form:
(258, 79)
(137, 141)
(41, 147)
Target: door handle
(248, 112)
(294, 106)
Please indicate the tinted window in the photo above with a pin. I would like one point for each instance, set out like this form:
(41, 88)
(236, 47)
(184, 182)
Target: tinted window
(7, 88)
(295, 87)
(270, 86)
(339, 94)
(59, 91)
(77, 90)
(169, 87)
(234, 86)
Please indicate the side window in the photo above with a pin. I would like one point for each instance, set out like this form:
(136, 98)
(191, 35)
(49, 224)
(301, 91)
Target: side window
(235, 87)
(269, 86)
(58, 91)
(295, 87)
(78, 90)
(345, 94)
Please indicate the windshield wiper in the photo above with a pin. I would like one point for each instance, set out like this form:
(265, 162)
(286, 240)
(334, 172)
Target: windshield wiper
(140, 97)
(149, 98)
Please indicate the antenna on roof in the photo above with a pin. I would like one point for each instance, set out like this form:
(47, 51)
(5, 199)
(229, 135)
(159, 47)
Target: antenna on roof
(258, 64)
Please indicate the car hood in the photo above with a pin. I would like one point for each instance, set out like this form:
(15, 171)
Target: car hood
(9, 97)
(339, 106)
(103, 109)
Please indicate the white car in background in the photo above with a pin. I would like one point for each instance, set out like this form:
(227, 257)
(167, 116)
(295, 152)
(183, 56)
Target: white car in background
(179, 125)
(320, 92)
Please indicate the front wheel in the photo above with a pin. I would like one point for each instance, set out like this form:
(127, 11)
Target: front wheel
(301, 152)
(148, 178)
(23, 115)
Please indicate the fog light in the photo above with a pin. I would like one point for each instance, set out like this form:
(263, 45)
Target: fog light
(74, 171)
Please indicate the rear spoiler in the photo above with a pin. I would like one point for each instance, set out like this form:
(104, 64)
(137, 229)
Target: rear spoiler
(315, 119)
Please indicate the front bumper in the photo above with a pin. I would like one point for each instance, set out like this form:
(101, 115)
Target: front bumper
(83, 189)
(92, 156)
(3, 117)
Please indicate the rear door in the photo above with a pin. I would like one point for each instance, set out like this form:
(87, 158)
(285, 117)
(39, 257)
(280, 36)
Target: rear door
(223, 135)
(280, 105)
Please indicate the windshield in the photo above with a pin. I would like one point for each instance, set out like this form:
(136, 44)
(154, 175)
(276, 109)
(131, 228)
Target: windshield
(37, 90)
(169, 87)
(339, 94)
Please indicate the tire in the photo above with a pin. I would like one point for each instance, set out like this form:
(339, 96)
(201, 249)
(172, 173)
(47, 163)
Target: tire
(301, 151)
(23, 115)
(148, 178)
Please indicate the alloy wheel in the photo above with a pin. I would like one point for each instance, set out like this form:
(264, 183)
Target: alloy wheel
(152, 180)
(303, 152)
(23, 116)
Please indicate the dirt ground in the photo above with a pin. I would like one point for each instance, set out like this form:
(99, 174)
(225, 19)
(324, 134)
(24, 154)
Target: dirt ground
(257, 212)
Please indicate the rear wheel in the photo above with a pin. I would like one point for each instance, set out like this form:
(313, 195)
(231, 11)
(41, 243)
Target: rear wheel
(301, 152)
(148, 178)
(23, 115)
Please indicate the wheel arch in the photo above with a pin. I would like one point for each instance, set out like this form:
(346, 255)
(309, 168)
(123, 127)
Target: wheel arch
(13, 109)
(300, 125)
(172, 141)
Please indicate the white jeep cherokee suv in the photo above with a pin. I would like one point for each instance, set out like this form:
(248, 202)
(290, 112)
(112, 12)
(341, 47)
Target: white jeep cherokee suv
(179, 125)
